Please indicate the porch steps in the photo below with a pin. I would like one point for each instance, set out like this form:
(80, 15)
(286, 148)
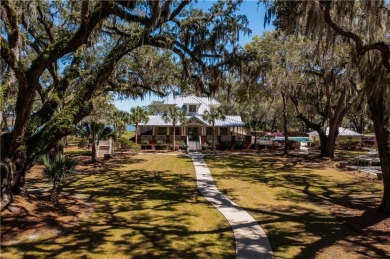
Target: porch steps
(193, 146)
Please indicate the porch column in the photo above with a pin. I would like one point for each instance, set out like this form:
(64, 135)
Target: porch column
(153, 131)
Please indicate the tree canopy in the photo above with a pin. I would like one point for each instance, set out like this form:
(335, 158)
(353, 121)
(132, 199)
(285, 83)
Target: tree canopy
(364, 27)
(58, 55)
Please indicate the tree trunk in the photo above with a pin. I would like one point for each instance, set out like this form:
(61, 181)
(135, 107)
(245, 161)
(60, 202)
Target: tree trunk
(174, 137)
(323, 144)
(213, 147)
(4, 122)
(54, 194)
(285, 124)
(382, 133)
(7, 170)
(94, 151)
(136, 133)
(255, 139)
(331, 140)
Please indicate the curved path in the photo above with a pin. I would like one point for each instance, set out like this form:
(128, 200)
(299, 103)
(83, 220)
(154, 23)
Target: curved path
(251, 241)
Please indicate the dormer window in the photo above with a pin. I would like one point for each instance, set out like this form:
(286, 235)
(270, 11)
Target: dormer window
(192, 108)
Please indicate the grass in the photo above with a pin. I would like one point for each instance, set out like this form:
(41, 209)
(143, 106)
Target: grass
(145, 206)
(148, 206)
(291, 200)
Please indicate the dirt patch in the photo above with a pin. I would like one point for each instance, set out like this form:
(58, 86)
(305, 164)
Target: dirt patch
(364, 217)
(36, 216)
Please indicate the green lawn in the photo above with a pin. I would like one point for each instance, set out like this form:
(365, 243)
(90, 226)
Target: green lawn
(146, 206)
(291, 202)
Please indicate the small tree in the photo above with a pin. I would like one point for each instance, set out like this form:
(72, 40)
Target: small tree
(174, 115)
(57, 168)
(138, 115)
(94, 131)
(215, 113)
(120, 119)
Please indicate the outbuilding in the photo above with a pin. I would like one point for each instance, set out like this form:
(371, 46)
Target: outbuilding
(344, 134)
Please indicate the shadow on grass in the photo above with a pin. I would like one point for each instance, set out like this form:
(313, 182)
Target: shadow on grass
(326, 227)
(137, 214)
(298, 184)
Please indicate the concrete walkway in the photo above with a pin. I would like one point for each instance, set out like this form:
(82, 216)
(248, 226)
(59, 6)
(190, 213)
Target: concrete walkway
(251, 241)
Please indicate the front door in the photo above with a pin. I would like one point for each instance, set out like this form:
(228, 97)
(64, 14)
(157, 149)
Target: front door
(193, 133)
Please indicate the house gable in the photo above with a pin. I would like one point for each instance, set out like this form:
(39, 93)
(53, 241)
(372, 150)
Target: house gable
(192, 104)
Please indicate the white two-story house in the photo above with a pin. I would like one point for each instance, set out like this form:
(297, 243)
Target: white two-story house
(195, 128)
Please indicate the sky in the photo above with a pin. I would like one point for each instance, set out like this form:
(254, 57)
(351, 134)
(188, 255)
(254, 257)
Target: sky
(255, 16)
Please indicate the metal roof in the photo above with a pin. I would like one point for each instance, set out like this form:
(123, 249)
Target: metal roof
(342, 132)
(230, 121)
(203, 102)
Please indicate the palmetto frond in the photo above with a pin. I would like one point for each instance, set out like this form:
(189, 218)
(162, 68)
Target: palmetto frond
(57, 167)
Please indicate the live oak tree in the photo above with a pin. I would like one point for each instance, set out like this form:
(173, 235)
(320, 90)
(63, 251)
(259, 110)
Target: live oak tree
(313, 78)
(63, 53)
(156, 108)
(364, 27)
(272, 66)
(330, 89)
(258, 114)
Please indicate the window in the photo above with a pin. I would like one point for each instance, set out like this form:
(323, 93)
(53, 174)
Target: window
(146, 130)
(223, 131)
(177, 131)
(192, 108)
(209, 131)
(161, 131)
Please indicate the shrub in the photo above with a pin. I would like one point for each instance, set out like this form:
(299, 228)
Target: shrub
(161, 144)
(210, 143)
(83, 144)
(293, 145)
(360, 162)
(349, 144)
(224, 144)
(125, 144)
(135, 147)
(57, 168)
(240, 145)
(181, 144)
(122, 144)
(368, 141)
(145, 142)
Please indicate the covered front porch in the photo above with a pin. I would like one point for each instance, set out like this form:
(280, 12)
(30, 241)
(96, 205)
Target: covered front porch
(190, 132)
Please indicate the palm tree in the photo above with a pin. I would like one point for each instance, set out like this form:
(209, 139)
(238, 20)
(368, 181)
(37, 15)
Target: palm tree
(93, 131)
(56, 169)
(120, 120)
(138, 115)
(215, 113)
(174, 115)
